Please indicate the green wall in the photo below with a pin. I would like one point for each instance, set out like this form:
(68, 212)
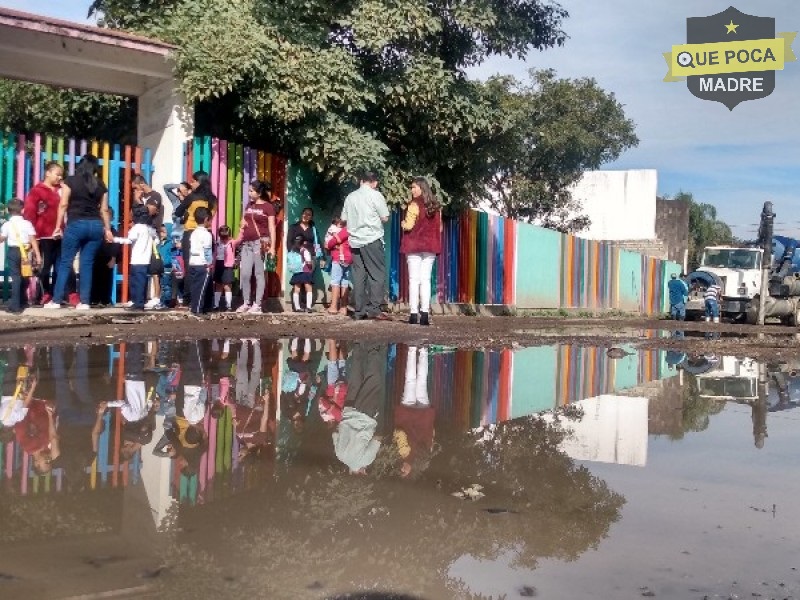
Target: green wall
(538, 267)
(533, 387)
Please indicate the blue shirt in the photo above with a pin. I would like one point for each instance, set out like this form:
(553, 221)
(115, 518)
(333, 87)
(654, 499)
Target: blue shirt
(678, 291)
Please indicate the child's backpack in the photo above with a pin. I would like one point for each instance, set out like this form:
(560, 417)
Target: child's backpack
(294, 262)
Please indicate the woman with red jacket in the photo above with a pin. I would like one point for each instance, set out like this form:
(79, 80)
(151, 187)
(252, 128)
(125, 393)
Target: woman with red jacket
(421, 242)
(41, 209)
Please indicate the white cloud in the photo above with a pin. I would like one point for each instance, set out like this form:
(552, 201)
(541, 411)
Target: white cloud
(724, 157)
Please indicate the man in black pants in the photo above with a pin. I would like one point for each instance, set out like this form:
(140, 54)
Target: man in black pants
(365, 213)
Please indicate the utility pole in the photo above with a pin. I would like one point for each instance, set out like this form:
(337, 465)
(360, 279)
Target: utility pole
(765, 238)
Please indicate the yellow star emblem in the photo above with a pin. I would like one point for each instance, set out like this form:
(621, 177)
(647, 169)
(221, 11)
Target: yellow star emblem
(731, 27)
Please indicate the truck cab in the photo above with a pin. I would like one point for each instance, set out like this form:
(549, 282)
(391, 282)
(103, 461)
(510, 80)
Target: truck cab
(736, 270)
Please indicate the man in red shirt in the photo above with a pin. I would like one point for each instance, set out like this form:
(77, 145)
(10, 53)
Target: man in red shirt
(41, 209)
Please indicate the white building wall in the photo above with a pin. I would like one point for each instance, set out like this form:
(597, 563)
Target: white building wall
(613, 430)
(620, 204)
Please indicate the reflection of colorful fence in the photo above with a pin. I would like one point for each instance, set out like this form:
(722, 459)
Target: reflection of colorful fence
(467, 388)
(470, 389)
(106, 470)
(220, 474)
(476, 265)
(232, 167)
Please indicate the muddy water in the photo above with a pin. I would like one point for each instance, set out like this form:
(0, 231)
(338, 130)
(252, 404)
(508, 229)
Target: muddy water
(317, 469)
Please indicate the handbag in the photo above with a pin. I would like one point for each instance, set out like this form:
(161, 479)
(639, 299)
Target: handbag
(156, 266)
(26, 268)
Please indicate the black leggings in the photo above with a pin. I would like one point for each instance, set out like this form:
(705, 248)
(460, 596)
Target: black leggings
(50, 249)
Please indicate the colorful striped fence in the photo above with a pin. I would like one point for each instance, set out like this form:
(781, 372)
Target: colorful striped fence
(476, 265)
(232, 167)
(22, 161)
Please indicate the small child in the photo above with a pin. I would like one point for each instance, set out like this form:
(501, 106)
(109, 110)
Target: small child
(178, 270)
(165, 249)
(301, 265)
(225, 256)
(200, 261)
(141, 237)
(336, 241)
(21, 237)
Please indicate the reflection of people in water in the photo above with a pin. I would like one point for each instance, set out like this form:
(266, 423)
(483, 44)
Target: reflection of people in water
(414, 417)
(331, 403)
(139, 407)
(254, 426)
(248, 379)
(297, 384)
(31, 420)
(357, 438)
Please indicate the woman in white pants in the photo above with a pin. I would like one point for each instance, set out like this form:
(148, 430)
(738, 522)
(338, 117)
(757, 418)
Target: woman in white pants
(421, 242)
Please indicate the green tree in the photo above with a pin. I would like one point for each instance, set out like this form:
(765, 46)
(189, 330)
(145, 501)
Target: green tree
(704, 228)
(553, 131)
(382, 84)
(30, 107)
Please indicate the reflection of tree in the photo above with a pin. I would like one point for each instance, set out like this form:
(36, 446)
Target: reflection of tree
(695, 411)
(316, 524)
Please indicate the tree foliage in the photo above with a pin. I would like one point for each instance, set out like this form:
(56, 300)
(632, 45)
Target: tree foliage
(26, 107)
(382, 84)
(704, 228)
(555, 129)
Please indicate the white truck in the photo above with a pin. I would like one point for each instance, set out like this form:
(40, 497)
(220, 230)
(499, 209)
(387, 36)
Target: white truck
(736, 270)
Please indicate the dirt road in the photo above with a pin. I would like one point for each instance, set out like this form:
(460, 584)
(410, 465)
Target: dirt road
(769, 342)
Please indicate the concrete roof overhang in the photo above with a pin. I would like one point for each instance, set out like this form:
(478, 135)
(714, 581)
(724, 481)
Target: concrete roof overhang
(65, 54)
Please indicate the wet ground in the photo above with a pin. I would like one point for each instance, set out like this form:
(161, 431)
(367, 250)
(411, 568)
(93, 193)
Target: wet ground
(317, 468)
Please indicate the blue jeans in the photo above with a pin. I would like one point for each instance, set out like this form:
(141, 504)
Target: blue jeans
(86, 236)
(712, 309)
(138, 279)
(166, 288)
(678, 311)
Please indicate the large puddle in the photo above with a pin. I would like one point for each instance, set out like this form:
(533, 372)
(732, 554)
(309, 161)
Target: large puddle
(317, 469)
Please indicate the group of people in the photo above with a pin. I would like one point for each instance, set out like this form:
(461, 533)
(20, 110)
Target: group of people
(678, 291)
(176, 260)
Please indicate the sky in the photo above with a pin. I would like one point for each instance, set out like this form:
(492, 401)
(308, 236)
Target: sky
(734, 160)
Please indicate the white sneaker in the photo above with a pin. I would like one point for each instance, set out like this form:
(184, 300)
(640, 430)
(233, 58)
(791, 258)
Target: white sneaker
(52, 305)
(156, 306)
(152, 303)
(255, 310)
(82, 306)
(243, 308)
(127, 304)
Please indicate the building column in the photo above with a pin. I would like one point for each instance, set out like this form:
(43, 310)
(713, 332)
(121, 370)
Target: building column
(165, 123)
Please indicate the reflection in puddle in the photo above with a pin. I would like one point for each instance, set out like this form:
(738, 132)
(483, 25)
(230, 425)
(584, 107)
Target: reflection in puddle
(342, 456)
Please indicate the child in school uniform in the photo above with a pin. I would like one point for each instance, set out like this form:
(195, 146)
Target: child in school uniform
(225, 258)
(200, 261)
(165, 250)
(140, 237)
(21, 237)
(302, 266)
(336, 242)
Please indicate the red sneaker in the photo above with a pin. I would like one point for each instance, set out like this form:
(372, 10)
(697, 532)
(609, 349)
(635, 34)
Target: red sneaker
(46, 298)
(73, 299)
